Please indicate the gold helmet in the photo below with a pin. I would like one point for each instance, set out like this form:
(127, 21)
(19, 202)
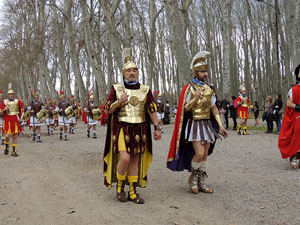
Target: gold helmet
(10, 91)
(243, 88)
(128, 64)
(199, 61)
(159, 94)
(91, 96)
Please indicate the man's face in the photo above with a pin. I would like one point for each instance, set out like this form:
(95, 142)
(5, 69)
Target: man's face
(92, 100)
(62, 99)
(36, 97)
(131, 74)
(243, 92)
(11, 96)
(201, 75)
(224, 97)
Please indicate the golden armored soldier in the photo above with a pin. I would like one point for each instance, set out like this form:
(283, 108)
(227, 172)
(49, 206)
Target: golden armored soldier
(196, 127)
(128, 147)
(11, 108)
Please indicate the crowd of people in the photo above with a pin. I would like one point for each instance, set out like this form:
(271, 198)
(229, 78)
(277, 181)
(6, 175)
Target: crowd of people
(130, 109)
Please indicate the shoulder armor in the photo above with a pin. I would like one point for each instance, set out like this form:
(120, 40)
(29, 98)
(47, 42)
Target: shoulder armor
(118, 87)
(145, 88)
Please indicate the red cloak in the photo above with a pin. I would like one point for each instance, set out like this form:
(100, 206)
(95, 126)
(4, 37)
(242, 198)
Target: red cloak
(289, 141)
(181, 152)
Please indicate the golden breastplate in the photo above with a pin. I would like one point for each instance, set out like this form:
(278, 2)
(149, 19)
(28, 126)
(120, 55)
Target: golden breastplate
(134, 110)
(245, 103)
(201, 110)
(12, 106)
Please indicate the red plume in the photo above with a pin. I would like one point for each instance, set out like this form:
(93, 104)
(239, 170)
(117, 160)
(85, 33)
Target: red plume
(49, 99)
(157, 92)
(0, 92)
(72, 96)
(34, 91)
(61, 92)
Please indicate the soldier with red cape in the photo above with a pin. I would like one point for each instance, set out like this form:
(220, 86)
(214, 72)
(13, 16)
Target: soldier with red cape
(197, 126)
(289, 140)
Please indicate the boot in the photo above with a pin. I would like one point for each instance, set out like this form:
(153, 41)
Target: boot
(6, 151)
(245, 131)
(88, 133)
(293, 162)
(201, 183)
(2, 141)
(34, 137)
(193, 181)
(70, 130)
(14, 153)
(48, 131)
(51, 131)
(121, 195)
(60, 136)
(94, 135)
(39, 139)
(239, 130)
(133, 195)
(65, 138)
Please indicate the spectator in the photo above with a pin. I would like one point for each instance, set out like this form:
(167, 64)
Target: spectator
(233, 111)
(268, 114)
(277, 112)
(225, 107)
(256, 112)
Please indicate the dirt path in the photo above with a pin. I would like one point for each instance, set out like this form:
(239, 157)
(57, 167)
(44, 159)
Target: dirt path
(59, 182)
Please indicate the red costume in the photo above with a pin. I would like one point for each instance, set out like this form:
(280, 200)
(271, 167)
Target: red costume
(289, 141)
(243, 109)
(104, 116)
(11, 123)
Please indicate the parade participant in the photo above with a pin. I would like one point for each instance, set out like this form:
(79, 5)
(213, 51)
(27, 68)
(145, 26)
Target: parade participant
(50, 120)
(128, 146)
(104, 115)
(1, 120)
(160, 110)
(289, 141)
(63, 122)
(196, 127)
(35, 107)
(10, 108)
(90, 121)
(72, 120)
(243, 103)
(84, 117)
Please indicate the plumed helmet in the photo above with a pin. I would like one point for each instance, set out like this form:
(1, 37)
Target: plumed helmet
(128, 64)
(91, 96)
(10, 91)
(199, 61)
(62, 95)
